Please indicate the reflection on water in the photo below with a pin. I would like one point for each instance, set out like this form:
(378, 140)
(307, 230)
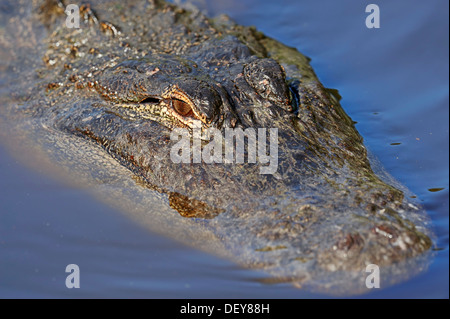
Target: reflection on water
(394, 84)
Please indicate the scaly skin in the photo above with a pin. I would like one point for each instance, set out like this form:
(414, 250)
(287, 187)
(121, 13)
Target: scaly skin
(135, 71)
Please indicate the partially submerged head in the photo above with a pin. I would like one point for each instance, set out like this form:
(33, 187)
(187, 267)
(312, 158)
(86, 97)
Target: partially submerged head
(182, 90)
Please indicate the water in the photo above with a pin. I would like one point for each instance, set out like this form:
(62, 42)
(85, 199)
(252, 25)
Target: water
(394, 83)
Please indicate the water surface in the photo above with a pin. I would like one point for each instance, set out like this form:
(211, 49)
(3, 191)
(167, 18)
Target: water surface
(394, 83)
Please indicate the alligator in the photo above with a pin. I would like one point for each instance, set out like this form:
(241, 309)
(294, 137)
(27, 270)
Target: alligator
(106, 98)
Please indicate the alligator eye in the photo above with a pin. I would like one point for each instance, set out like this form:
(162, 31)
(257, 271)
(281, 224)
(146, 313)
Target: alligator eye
(152, 100)
(181, 107)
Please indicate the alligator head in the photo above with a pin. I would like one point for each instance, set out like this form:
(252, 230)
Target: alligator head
(323, 211)
(219, 83)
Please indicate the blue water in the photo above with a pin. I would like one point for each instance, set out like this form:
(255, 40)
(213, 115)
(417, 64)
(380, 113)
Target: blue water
(394, 83)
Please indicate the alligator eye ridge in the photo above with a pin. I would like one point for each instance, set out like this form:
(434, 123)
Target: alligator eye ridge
(267, 78)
